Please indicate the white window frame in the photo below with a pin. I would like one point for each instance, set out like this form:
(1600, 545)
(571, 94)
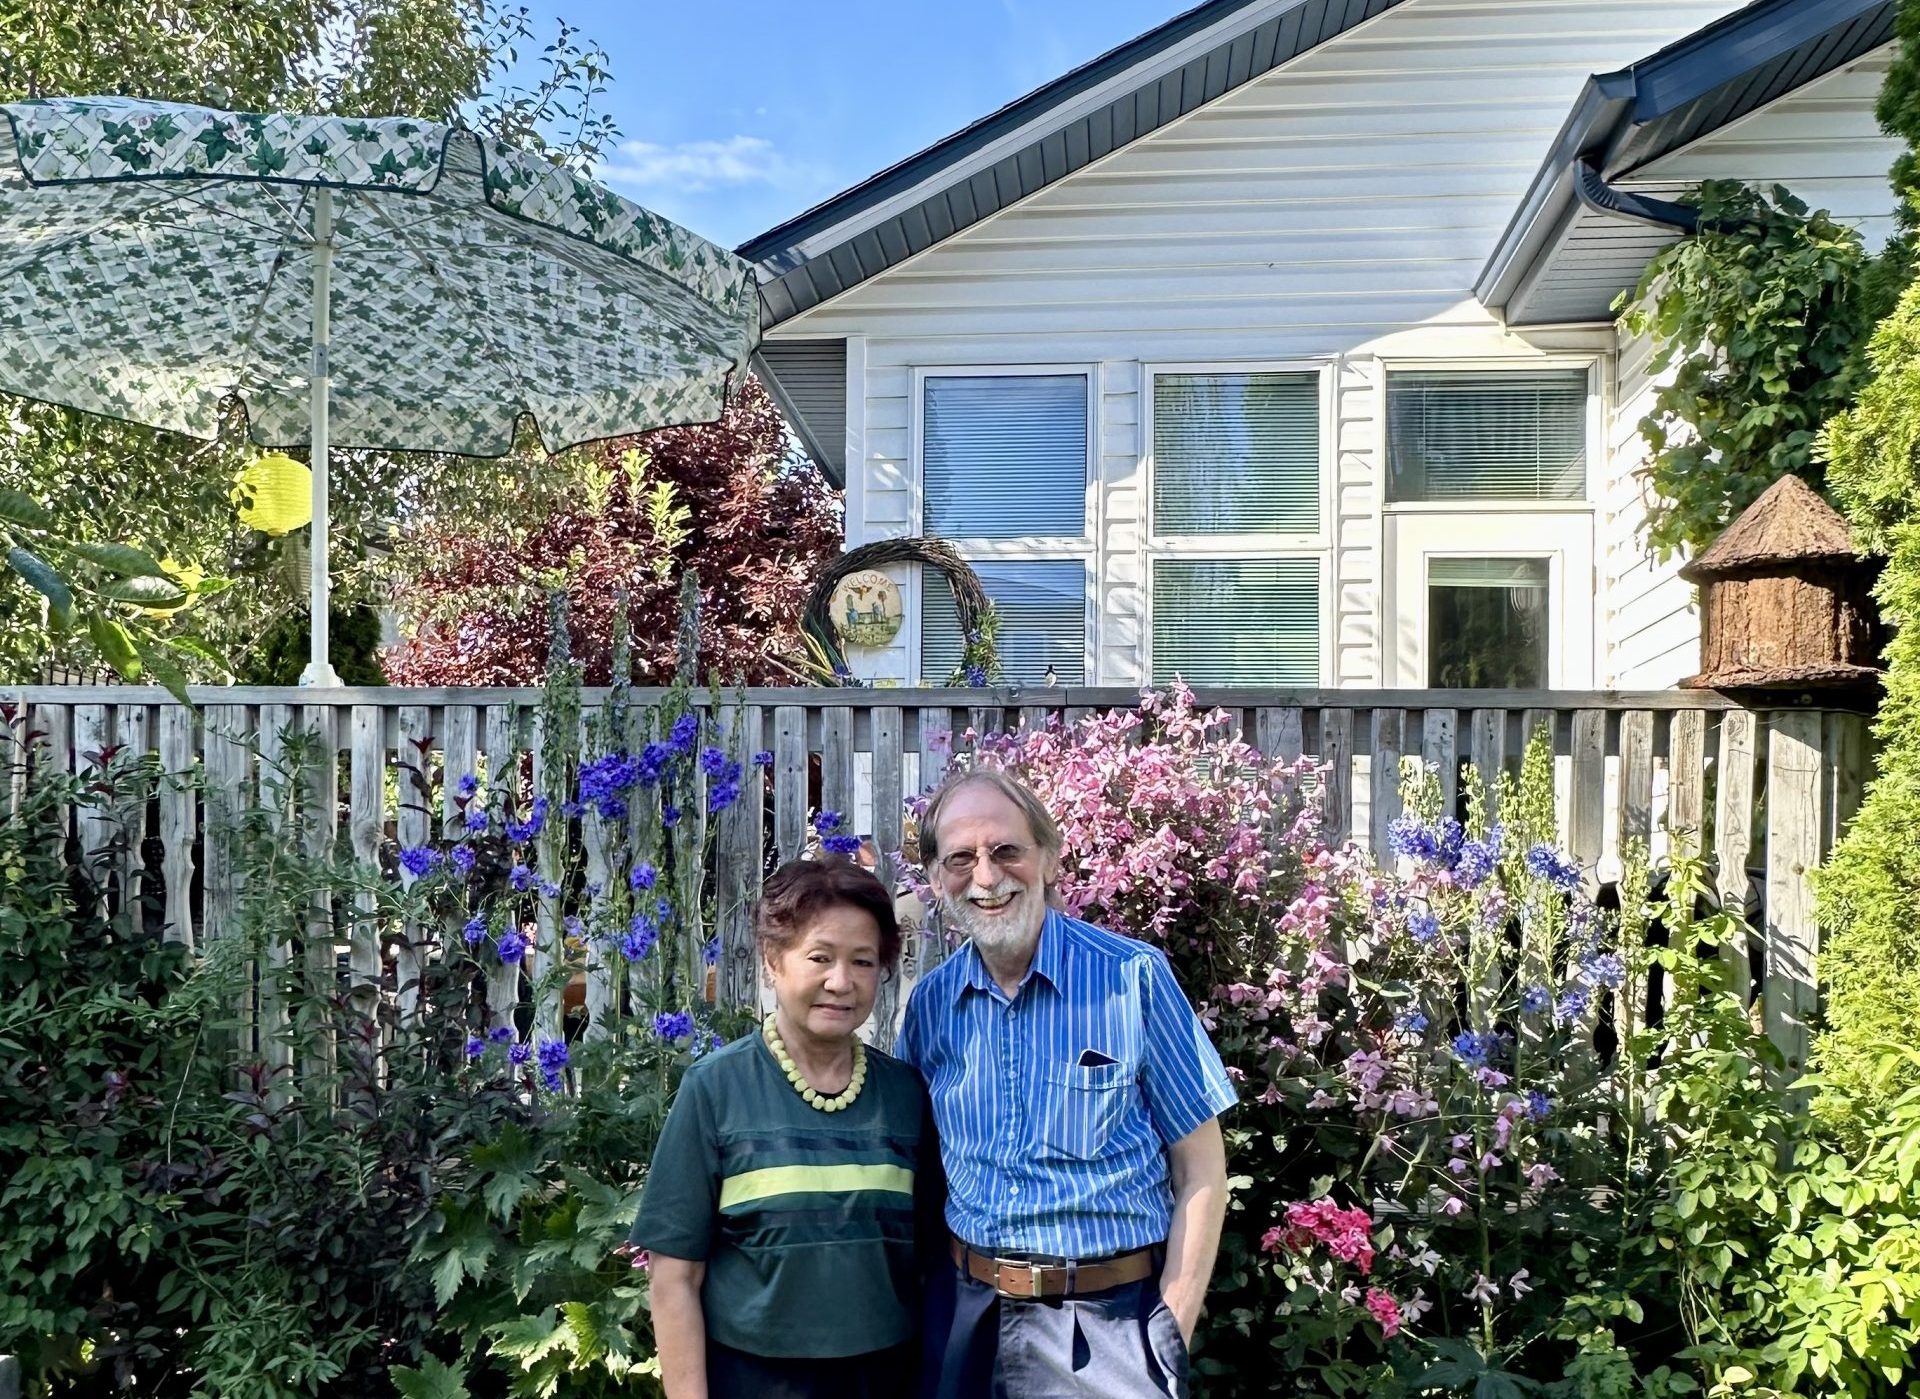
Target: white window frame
(1594, 365)
(1083, 548)
(1251, 547)
(1559, 530)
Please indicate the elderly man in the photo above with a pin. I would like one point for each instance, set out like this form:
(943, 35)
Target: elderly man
(1075, 1094)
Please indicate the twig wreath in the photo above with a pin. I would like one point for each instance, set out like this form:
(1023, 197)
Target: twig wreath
(979, 661)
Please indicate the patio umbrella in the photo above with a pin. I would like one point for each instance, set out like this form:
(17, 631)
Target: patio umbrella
(374, 283)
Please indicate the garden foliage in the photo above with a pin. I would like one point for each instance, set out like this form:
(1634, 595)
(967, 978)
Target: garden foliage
(1496, 1137)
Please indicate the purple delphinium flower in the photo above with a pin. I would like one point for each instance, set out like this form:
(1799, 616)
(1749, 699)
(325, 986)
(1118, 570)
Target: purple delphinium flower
(520, 1053)
(640, 939)
(669, 815)
(653, 762)
(475, 820)
(521, 877)
(673, 1025)
(1538, 1104)
(644, 876)
(663, 911)
(827, 822)
(1476, 1050)
(1410, 1022)
(418, 860)
(681, 736)
(1572, 1005)
(1476, 862)
(841, 845)
(713, 761)
(553, 1059)
(1413, 838)
(548, 889)
(500, 1034)
(722, 796)
(1423, 926)
(462, 858)
(475, 1047)
(1535, 999)
(976, 676)
(763, 759)
(475, 930)
(1605, 969)
(710, 954)
(1452, 840)
(513, 947)
(1543, 862)
(468, 786)
(575, 928)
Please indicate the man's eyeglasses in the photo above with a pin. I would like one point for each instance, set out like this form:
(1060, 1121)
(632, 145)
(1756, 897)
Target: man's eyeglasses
(1006, 855)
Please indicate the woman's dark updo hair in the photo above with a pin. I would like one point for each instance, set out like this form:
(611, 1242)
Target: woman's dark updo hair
(801, 890)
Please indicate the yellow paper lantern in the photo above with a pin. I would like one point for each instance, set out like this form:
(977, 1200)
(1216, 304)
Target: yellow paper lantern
(275, 494)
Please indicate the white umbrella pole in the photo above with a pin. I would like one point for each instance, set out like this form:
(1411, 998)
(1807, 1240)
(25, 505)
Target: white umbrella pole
(319, 671)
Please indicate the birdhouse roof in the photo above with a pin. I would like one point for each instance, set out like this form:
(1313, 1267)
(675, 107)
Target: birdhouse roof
(1789, 523)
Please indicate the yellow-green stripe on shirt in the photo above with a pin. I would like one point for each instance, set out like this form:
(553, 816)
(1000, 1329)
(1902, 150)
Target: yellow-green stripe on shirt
(812, 1180)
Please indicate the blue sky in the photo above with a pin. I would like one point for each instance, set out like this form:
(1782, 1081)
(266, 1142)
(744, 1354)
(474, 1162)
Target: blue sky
(738, 114)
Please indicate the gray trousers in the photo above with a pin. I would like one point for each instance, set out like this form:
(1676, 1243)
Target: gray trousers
(1119, 1344)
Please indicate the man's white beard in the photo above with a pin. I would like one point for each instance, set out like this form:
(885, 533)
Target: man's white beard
(1010, 932)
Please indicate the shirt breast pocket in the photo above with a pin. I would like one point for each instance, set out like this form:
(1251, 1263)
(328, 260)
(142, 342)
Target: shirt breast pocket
(1084, 1106)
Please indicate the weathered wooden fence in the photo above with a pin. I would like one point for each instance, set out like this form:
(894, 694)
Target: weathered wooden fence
(1763, 792)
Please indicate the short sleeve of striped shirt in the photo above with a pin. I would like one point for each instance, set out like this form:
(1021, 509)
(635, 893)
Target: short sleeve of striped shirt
(681, 1201)
(1185, 1083)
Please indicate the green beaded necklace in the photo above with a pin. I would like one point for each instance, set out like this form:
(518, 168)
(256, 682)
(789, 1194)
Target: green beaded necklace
(814, 1097)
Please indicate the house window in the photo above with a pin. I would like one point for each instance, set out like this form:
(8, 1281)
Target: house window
(1237, 621)
(1487, 435)
(1237, 541)
(1042, 610)
(1236, 454)
(1003, 471)
(1487, 624)
(1005, 456)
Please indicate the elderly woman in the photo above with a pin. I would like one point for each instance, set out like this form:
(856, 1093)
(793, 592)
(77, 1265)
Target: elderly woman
(780, 1207)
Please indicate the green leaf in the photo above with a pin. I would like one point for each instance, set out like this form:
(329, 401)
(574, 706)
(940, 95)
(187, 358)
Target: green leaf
(115, 646)
(145, 591)
(45, 580)
(434, 1379)
(17, 508)
(122, 559)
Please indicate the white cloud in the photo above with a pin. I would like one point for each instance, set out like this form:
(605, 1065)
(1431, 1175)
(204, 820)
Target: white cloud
(693, 167)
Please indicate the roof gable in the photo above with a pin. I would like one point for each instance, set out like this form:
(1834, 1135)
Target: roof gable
(1035, 141)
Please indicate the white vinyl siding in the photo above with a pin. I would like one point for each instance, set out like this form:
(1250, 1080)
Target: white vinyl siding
(1042, 611)
(1236, 454)
(1237, 621)
(1333, 213)
(1495, 435)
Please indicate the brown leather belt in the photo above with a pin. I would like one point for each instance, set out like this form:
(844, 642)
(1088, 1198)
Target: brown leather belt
(1016, 1277)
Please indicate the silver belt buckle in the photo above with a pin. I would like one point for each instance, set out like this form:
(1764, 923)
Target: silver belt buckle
(1033, 1277)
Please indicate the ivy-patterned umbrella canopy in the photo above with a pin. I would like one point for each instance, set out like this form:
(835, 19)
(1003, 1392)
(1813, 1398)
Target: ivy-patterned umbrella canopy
(378, 283)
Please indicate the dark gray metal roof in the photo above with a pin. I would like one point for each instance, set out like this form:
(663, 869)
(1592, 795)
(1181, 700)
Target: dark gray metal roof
(1575, 243)
(793, 280)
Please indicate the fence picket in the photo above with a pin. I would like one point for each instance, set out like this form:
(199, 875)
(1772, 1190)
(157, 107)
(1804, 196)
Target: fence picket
(92, 735)
(367, 827)
(1277, 733)
(1793, 849)
(178, 798)
(1336, 752)
(1389, 732)
(1586, 829)
(1733, 835)
(133, 730)
(887, 820)
(789, 781)
(936, 746)
(1439, 750)
(321, 799)
(1636, 777)
(274, 1022)
(1487, 751)
(1686, 775)
(1844, 759)
(413, 825)
(836, 761)
(740, 841)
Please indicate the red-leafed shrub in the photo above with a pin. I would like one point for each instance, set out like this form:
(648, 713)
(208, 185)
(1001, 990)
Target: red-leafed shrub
(722, 498)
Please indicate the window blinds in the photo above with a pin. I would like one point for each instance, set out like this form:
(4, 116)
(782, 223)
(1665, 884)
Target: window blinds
(1042, 607)
(1237, 621)
(1236, 454)
(1005, 456)
(1495, 435)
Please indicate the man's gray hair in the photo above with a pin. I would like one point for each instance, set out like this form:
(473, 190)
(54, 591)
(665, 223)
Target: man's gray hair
(1046, 831)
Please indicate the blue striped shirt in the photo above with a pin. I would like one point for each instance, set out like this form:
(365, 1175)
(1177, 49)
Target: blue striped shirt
(1056, 1108)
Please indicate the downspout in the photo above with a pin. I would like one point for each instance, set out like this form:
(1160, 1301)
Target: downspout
(1595, 194)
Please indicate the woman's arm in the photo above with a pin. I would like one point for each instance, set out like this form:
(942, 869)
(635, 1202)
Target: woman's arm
(679, 1325)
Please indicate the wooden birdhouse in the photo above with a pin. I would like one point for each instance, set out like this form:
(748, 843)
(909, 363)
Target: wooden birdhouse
(1785, 603)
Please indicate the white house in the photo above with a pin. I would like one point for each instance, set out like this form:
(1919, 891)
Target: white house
(1274, 347)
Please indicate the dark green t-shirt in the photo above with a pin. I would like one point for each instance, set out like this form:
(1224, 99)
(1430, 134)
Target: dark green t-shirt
(805, 1219)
